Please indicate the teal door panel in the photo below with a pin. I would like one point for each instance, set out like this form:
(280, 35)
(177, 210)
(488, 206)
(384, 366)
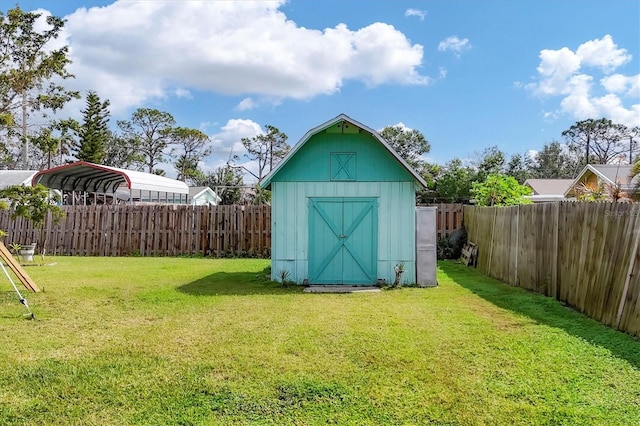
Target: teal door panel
(325, 230)
(343, 240)
(360, 248)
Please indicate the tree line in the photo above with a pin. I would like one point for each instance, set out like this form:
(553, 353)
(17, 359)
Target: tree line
(34, 137)
(592, 141)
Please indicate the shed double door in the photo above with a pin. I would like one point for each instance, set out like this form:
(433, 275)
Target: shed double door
(343, 241)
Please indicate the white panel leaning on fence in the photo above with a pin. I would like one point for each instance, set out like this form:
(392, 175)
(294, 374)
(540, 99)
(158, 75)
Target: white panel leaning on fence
(426, 252)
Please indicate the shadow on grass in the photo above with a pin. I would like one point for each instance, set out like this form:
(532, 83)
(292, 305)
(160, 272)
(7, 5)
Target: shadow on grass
(236, 283)
(545, 310)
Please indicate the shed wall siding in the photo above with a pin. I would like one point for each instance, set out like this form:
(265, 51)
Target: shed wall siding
(396, 224)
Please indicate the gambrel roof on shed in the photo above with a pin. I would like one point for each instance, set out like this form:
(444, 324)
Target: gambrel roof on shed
(343, 118)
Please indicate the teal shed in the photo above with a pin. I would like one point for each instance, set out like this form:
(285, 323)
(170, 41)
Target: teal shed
(343, 208)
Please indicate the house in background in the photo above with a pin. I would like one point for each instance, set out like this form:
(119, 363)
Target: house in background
(16, 177)
(607, 175)
(547, 190)
(343, 208)
(203, 196)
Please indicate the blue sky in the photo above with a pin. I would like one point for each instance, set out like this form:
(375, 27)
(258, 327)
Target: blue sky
(467, 74)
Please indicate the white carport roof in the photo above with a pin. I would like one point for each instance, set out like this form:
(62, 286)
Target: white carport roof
(16, 177)
(83, 176)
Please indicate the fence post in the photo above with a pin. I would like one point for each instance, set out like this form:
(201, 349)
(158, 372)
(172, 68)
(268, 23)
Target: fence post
(515, 278)
(493, 230)
(554, 258)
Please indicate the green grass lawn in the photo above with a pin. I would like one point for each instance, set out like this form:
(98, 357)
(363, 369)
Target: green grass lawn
(120, 341)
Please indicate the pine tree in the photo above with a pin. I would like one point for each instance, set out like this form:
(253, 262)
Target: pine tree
(555, 162)
(150, 131)
(94, 131)
(267, 149)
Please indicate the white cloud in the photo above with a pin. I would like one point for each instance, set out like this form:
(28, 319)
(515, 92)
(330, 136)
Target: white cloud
(555, 69)
(616, 111)
(228, 140)
(246, 104)
(131, 51)
(550, 116)
(621, 84)
(402, 126)
(227, 146)
(603, 54)
(578, 101)
(416, 12)
(455, 45)
(380, 54)
(206, 125)
(571, 76)
(180, 92)
(250, 171)
(40, 25)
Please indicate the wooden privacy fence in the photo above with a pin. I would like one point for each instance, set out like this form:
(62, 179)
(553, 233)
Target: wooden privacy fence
(149, 230)
(448, 219)
(583, 254)
(167, 230)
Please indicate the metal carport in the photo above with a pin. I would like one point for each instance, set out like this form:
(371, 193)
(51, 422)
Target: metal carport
(87, 177)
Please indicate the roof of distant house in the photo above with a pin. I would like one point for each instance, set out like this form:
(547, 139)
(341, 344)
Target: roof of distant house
(613, 172)
(197, 191)
(608, 174)
(548, 186)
